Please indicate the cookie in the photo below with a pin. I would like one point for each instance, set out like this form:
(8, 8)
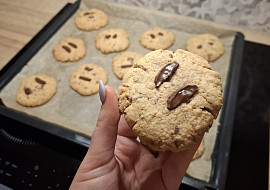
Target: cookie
(121, 63)
(206, 45)
(157, 38)
(85, 79)
(36, 90)
(112, 40)
(199, 151)
(92, 19)
(69, 49)
(170, 99)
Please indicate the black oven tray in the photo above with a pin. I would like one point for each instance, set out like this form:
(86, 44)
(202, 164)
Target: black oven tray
(224, 133)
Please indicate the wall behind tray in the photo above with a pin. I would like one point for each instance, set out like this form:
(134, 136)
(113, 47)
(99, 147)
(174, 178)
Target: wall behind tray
(248, 14)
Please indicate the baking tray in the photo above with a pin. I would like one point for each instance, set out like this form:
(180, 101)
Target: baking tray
(222, 146)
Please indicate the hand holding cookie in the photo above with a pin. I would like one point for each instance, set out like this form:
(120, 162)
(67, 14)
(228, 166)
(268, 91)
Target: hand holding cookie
(116, 160)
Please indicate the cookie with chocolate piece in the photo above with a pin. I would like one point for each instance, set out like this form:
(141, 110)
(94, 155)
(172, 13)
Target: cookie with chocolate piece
(92, 19)
(69, 49)
(124, 61)
(157, 38)
(85, 79)
(170, 99)
(207, 46)
(36, 90)
(112, 40)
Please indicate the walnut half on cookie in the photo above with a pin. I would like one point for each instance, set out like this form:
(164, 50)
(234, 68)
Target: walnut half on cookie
(170, 99)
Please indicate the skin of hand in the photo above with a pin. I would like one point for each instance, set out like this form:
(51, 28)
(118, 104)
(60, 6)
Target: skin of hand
(116, 160)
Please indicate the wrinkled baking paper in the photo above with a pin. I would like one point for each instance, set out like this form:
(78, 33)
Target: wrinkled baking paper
(70, 110)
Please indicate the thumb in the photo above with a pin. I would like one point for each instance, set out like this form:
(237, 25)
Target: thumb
(104, 136)
(101, 149)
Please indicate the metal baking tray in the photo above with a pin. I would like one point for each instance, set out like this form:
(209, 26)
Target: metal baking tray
(224, 134)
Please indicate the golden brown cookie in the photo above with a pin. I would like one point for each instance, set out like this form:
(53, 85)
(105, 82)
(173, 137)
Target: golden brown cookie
(170, 99)
(85, 79)
(69, 49)
(157, 38)
(121, 63)
(92, 19)
(206, 45)
(112, 40)
(36, 90)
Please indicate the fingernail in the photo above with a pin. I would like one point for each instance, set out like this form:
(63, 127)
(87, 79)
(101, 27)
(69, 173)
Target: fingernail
(102, 92)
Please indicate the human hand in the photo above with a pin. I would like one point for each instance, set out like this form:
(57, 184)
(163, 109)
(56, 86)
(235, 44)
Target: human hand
(116, 160)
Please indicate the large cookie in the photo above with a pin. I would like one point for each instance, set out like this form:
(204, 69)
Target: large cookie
(69, 49)
(206, 45)
(112, 40)
(91, 19)
(85, 79)
(170, 99)
(36, 90)
(157, 38)
(121, 63)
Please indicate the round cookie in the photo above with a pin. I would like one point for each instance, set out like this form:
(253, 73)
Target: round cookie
(92, 19)
(170, 99)
(206, 45)
(69, 49)
(157, 38)
(199, 151)
(112, 40)
(36, 90)
(121, 63)
(85, 79)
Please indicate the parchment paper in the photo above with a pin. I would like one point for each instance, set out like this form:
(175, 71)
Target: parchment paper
(79, 113)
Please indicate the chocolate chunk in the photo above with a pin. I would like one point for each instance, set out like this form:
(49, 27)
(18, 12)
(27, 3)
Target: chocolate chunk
(152, 35)
(160, 34)
(199, 46)
(88, 69)
(66, 48)
(181, 96)
(38, 80)
(171, 56)
(85, 78)
(42, 82)
(73, 45)
(107, 36)
(176, 130)
(144, 68)
(88, 13)
(206, 109)
(115, 36)
(176, 143)
(130, 59)
(210, 43)
(166, 73)
(126, 66)
(27, 91)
